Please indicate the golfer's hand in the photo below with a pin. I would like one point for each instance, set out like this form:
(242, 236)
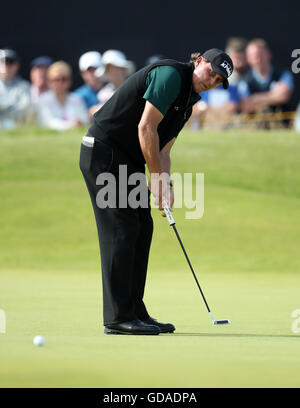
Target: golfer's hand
(171, 202)
(159, 185)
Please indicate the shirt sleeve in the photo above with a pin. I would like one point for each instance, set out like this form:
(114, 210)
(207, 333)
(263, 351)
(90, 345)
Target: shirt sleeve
(48, 120)
(16, 102)
(82, 112)
(233, 94)
(163, 85)
(205, 96)
(288, 79)
(243, 90)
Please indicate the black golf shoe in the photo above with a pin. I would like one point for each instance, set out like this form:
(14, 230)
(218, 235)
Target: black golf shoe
(164, 327)
(132, 327)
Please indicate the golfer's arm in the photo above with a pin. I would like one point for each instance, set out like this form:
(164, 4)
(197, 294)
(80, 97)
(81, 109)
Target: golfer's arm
(148, 137)
(165, 158)
(277, 96)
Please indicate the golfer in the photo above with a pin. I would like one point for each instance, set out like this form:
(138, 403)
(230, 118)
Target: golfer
(138, 126)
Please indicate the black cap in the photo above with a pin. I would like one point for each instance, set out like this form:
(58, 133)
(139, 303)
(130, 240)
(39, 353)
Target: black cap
(221, 63)
(8, 54)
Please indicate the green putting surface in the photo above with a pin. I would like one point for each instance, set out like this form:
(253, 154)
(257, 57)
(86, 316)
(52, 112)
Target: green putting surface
(244, 252)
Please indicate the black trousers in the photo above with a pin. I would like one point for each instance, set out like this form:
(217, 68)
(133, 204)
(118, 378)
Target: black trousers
(125, 235)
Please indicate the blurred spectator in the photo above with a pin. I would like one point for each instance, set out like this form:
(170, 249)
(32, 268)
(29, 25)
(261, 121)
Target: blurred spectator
(297, 120)
(217, 106)
(236, 49)
(222, 100)
(88, 63)
(154, 58)
(220, 103)
(116, 68)
(265, 88)
(14, 91)
(38, 77)
(58, 108)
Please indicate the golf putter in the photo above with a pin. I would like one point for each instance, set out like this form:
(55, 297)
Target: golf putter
(172, 224)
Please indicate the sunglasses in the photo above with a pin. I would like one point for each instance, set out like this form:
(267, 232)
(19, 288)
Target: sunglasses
(9, 61)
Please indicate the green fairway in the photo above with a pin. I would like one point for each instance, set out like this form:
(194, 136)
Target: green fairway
(245, 251)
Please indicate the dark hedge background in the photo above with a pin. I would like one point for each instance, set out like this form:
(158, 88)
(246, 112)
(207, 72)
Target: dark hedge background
(66, 29)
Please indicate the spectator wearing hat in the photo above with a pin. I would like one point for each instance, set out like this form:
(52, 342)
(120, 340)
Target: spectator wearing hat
(14, 91)
(58, 108)
(116, 69)
(88, 63)
(38, 77)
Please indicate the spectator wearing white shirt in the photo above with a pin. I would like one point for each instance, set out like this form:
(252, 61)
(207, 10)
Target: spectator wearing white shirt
(38, 76)
(116, 69)
(58, 108)
(14, 91)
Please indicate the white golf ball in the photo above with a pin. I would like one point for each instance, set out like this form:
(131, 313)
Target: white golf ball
(39, 341)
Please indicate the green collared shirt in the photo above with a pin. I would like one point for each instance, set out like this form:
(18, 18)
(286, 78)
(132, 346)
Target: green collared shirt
(163, 85)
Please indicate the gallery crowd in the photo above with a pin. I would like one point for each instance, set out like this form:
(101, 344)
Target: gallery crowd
(255, 86)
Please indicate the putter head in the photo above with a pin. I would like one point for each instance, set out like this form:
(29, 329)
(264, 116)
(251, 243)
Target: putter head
(221, 322)
(218, 321)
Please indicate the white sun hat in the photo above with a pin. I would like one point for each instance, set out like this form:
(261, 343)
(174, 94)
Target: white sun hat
(90, 59)
(116, 58)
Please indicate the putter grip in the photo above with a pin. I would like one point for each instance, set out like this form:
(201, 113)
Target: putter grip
(169, 215)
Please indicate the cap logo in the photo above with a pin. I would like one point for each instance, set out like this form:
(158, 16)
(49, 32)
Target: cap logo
(228, 68)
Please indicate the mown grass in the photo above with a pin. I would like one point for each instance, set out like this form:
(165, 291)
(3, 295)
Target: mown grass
(245, 251)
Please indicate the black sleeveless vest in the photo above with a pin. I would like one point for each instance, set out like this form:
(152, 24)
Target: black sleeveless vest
(255, 86)
(117, 121)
